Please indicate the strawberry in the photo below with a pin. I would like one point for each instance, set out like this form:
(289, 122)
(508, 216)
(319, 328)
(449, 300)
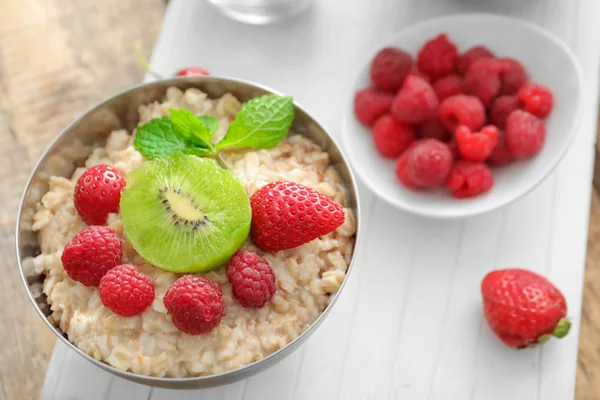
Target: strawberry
(523, 308)
(98, 193)
(287, 214)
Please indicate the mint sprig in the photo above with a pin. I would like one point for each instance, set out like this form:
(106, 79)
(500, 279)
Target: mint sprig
(261, 123)
(160, 138)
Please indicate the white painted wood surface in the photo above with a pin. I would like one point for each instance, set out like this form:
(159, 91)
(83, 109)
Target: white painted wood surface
(409, 325)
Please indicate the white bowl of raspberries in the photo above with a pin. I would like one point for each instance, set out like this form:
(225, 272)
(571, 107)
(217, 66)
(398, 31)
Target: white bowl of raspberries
(459, 115)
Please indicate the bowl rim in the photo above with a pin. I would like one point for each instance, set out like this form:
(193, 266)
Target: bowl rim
(545, 170)
(222, 377)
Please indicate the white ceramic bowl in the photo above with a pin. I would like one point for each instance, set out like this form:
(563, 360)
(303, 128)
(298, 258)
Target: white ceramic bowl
(549, 62)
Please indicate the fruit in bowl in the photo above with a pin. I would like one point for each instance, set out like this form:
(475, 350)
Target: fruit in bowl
(211, 227)
(470, 111)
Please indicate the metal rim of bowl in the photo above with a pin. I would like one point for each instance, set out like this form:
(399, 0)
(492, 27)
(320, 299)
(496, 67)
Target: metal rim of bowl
(204, 381)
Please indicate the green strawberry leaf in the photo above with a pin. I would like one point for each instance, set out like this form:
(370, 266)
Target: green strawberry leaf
(159, 138)
(198, 130)
(261, 123)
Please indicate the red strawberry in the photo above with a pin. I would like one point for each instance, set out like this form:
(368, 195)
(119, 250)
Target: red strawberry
(287, 214)
(97, 193)
(523, 308)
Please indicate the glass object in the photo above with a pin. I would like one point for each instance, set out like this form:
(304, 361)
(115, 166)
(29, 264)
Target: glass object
(261, 12)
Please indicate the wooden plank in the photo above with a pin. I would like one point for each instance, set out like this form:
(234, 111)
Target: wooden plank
(57, 58)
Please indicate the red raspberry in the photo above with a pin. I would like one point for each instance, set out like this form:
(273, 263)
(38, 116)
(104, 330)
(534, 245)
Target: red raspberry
(525, 134)
(195, 304)
(287, 214)
(448, 86)
(428, 163)
(98, 193)
(126, 291)
(476, 146)
(461, 109)
(500, 155)
(402, 169)
(474, 53)
(391, 136)
(416, 102)
(419, 74)
(370, 104)
(438, 57)
(192, 71)
(453, 146)
(389, 68)
(91, 254)
(483, 80)
(469, 179)
(252, 279)
(433, 129)
(501, 109)
(536, 99)
(512, 75)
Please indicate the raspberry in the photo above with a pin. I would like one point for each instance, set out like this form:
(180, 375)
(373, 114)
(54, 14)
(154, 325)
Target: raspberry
(501, 109)
(461, 109)
(195, 304)
(469, 179)
(428, 163)
(91, 254)
(483, 80)
(474, 53)
(126, 291)
(287, 214)
(97, 193)
(525, 134)
(448, 86)
(391, 136)
(438, 57)
(433, 129)
(476, 146)
(402, 169)
(512, 75)
(536, 99)
(500, 155)
(419, 74)
(370, 104)
(252, 279)
(192, 71)
(453, 146)
(389, 68)
(416, 102)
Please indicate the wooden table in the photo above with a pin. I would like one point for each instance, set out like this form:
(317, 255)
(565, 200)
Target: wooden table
(57, 57)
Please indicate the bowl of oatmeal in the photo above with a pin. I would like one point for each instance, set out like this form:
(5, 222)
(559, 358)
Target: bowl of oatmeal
(150, 338)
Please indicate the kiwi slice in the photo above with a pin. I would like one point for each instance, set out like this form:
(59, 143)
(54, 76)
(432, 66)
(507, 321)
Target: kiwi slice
(183, 213)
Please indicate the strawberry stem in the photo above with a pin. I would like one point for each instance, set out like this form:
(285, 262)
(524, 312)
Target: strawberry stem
(560, 331)
(562, 328)
(143, 62)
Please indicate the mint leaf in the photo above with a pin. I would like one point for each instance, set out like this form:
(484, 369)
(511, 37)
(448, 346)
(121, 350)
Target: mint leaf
(261, 123)
(159, 138)
(211, 123)
(194, 129)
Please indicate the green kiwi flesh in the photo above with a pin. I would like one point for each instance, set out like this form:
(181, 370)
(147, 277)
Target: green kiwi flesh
(184, 213)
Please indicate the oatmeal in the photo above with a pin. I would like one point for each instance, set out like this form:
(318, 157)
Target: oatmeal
(149, 343)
